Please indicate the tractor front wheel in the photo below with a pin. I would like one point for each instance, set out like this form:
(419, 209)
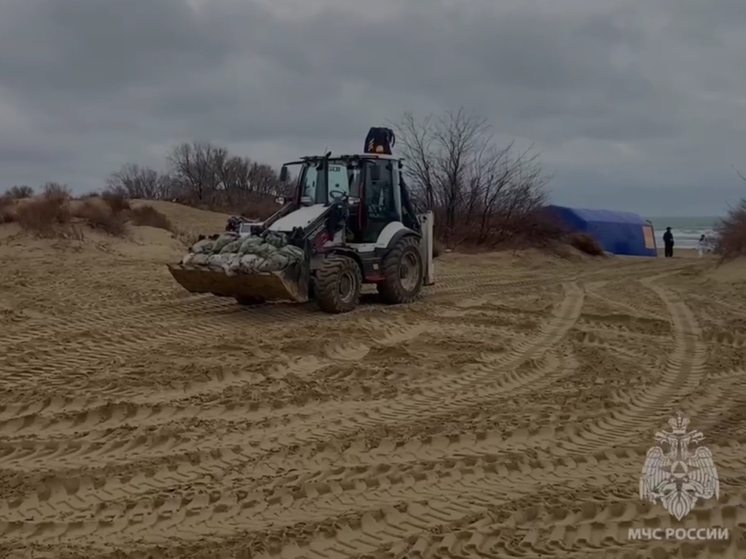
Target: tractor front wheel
(403, 273)
(337, 284)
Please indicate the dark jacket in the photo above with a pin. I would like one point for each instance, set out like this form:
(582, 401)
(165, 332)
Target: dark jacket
(668, 238)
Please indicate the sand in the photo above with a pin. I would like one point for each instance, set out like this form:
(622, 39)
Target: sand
(685, 253)
(506, 414)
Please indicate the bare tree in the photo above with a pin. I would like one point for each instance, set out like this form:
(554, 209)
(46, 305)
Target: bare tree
(204, 174)
(196, 167)
(264, 179)
(416, 141)
(208, 175)
(241, 179)
(478, 190)
(19, 192)
(136, 182)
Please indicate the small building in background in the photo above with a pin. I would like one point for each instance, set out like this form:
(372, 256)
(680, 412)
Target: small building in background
(621, 233)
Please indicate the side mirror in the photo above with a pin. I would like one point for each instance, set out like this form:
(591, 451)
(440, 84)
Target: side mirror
(375, 172)
(284, 174)
(280, 200)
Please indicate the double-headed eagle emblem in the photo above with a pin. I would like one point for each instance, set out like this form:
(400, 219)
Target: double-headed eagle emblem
(677, 474)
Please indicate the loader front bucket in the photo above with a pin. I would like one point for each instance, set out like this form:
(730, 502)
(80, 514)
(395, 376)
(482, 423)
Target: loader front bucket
(290, 284)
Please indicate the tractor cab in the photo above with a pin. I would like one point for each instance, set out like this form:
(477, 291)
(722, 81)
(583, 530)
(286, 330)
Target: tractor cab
(367, 188)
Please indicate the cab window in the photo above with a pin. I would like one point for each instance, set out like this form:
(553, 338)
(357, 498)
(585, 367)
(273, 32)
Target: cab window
(338, 180)
(310, 179)
(379, 195)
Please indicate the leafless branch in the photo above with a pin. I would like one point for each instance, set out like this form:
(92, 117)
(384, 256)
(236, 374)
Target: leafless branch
(479, 191)
(739, 173)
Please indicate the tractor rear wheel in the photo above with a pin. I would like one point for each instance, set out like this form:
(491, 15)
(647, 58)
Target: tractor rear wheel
(403, 272)
(337, 284)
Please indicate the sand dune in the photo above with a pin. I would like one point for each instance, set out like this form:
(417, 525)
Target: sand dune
(188, 219)
(506, 414)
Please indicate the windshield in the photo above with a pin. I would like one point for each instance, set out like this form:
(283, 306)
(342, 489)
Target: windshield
(341, 179)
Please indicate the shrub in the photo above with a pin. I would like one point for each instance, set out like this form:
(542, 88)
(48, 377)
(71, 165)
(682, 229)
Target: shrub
(149, 216)
(19, 192)
(539, 229)
(44, 215)
(101, 217)
(7, 210)
(57, 191)
(731, 232)
(586, 243)
(116, 201)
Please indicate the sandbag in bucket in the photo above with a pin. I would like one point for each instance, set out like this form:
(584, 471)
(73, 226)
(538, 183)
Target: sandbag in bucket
(288, 284)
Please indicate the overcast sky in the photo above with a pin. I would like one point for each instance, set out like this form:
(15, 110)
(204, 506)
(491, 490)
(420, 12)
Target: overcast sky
(634, 105)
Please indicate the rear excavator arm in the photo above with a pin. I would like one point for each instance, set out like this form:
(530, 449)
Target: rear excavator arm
(381, 140)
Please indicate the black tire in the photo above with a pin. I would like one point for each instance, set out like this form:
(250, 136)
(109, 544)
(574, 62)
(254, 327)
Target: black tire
(337, 284)
(404, 257)
(249, 300)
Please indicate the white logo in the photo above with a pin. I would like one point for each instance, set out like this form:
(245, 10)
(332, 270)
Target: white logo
(675, 475)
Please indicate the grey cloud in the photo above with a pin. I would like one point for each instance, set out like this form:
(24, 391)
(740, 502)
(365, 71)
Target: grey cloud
(88, 48)
(621, 98)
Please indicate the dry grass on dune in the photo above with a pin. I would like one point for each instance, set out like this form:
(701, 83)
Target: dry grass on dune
(101, 217)
(7, 210)
(48, 216)
(54, 214)
(586, 244)
(732, 233)
(543, 231)
(117, 202)
(149, 216)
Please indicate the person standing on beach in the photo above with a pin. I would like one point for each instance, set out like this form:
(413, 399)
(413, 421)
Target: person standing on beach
(702, 246)
(668, 242)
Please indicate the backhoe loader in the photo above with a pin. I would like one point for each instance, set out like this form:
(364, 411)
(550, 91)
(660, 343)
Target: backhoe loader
(351, 221)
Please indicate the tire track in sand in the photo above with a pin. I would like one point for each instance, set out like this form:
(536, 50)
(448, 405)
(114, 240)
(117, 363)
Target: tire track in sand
(566, 529)
(454, 488)
(122, 407)
(443, 396)
(319, 465)
(86, 345)
(87, 349)
(647, 409)
(256, 457)
(309, 428)
(630, 305)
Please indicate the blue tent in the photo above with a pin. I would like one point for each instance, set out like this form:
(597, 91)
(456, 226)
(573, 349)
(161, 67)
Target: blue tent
(617, 232)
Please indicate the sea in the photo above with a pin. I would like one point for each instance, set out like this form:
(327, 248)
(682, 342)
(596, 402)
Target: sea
(686, 230)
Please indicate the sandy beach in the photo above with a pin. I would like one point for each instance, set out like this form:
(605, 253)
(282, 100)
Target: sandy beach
(506, 414)
(685, 253)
